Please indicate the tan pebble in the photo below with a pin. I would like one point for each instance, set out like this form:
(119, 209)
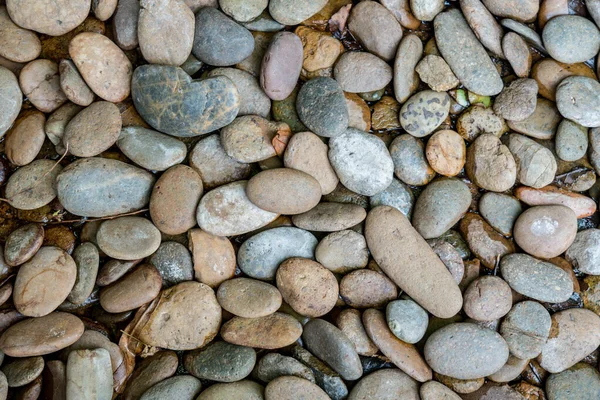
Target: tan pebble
(25, 139)
(132, 291)
(446, 152)
(214, 257)
(249, 298)
(40, 82)
(365, 288)
(349, 321)
(271, 332)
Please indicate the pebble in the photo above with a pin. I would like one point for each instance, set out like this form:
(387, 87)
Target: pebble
(407, 320)
(571, 38)
(321, 50)
(115, 238)
(281, 65)
(375, 28)
(571, 141)
(174, 263)
(401, 10)
(57, 122)
(360, 72)
(285, 111)
(487, 298)
(405, 356)
(174, 200)
(576, 99)
(242, 11)
(40, 83)
(434, 390)
(240, 216)
(584, 251)
(274, 365)
(579, 381)
(220, 41)
(221, 362)
(73, 85)
(114, 270)
(385, 246)
(526, 328)
(500, 211)
(251, 138)
(386, 384)
(406, 79)
(446, 152)
(581, 205)
(361, 161)
(93, 130)
(524, 11)
(426, 10)
(259, 256)
(510, 371)
(490, 164)
(23, 371)
(243, 390)
(203, 106)
(485, 243)
(177, 322)
(342, 251)
(536, 279)
(397, 195)
(149, 372)
(385, 114)
(183, 387)
(271, 332)
(132, 291)
(249, 298)
(284, 191)
(253, 100)
(365, 289)
(306, 152)
(410, 163)
(89, 374)
(12, 98)
(308, 287)
(350, 323)
(17, 44)
(104, 9)
(465, 351)
(542, 124)
(150, 149)
(52, 18)
(288, 12)
(546, 231)
(575, 333)
(293, 388)
(165, 31)
(30, 293)
(40, 336)
(87, 260)
(215, 167)
(517, 53)
(436, 73)
(440, 206)
(100, 187)
(220, 253)
(478, 120)
(321, 106)
(536, 165)
(465, 54)
(330, 344)
(22, 244)
(125, 24)
(424, 112)
(33, 185)
(484, 25)
(549, 73)
(517, 101)
(103, 65)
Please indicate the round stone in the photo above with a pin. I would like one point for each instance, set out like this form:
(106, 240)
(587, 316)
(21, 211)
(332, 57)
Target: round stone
(52, 18)
(360, 72)
(248, 298)
(281, 65)
(11, 99)
(321, 106)
(410, 163)
(490, 164)
(446, 152)
(174, 263)
(571, 38)
(221, 362)
(487, 298)
(424, 112)
(526, 328)
(577, 100)
(115, 238)
(407, 320)
(150, 149)
(40, 82)
(385, 384)
(93, 130)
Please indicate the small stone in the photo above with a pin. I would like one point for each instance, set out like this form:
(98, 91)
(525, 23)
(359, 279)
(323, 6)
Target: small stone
(184, 387)
(125, 22)
(536, 279)
(290, 387)
(87, 260)
(149, 372)
(520, 10)
(12, 98)
(53, 18)
(541, 124)
(289, 12)
(385, 384)
(23, 371)
(330, 217)
(271, 332)
(359, 72)
(484, 25)
(397, 195)
(114, 238)
(477, 120)
(576, 99)
(209, 251)
(436, 73)
(73, 85)
(150, 149)
(578, 382)
(571, 141)
(433, 390)
(22, 244)
(40, 82)
(104, 9)
(584, 251)
(321, 50)
(517, 53)
(17, 44)
(517, 101)
(549, 73)
(424, 112)
(253, 100)
(571, 38)
(407, 320)
(500, 211)
(410, 50)
(93, 130)
(89, 374)
(385, 114)
(536, 165)
(581, 205)
(327, 379)
(321, 106)
(249, 298)
(251, 138)
(485, 243)
(490, 164)
(342, 251)
(488, 298)
(221, 362)
(243, 390)
(410, 163)
(281, 65)
(274, 365)
(526, 328)
(173, 262)
(285, 111)
(446, 152)
(132, 291)
(349, 322)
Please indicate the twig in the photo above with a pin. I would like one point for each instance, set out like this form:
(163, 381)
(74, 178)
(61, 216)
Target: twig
(98, 219)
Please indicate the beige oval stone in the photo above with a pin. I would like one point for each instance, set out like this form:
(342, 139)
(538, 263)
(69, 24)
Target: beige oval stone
(103, 65)
(249, 298)
(330, 217)
(174, 200)
(25, 139)
(490, 164)
(284, 191)
(408, 260)
(40, 82)
(17, 44)
(104, 9)
(128, 238)
(73, 85)
(349, 321)
(549, 73)
(581, 205)
(44, 282)
(39, 336)
(93, 130)
(132, 291)
(308, 287)
(405, 356)
(293, 388)
(52, 17)
(366, 288)
(184, 317)
(446, 152)
(546, 231)
(214, 257)
(271, 332)
(306, 152)
(33, 185)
